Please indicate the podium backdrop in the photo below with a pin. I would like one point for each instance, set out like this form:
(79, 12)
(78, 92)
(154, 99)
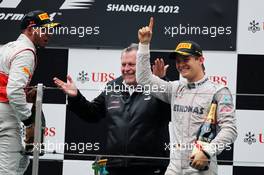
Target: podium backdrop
(113, 23)
(230, 32)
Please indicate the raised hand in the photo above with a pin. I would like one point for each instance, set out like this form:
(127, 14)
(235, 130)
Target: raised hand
(145, 33)
(159, 68)
(69, 87)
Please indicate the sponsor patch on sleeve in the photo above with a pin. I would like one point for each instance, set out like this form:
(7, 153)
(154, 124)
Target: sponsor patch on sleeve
(226, 100)
(26, 71)
(226, 109)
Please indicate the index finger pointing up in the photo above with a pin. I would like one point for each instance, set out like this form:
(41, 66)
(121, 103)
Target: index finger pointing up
(151, 23)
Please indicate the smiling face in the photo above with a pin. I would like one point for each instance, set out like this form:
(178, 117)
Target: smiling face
(128, 67)
(190, 67)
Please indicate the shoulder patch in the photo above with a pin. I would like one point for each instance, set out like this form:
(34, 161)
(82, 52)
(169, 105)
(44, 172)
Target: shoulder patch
(26, 71)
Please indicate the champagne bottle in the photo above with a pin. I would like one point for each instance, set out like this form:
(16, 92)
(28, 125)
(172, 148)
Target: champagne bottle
(207, 131)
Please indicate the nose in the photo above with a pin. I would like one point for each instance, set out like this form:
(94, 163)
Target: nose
(126, 67)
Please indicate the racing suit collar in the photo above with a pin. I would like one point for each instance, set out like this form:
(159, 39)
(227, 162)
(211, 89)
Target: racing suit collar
(24, 38)
(197, 83)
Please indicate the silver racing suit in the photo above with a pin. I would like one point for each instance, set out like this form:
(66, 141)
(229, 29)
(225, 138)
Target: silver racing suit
(190, 103)
(17, 62)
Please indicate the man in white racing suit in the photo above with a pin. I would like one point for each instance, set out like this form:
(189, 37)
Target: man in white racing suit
(190, 102)
(17, 64)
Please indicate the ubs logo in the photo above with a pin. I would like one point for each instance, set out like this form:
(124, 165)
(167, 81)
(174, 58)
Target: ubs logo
(254, 26)
(219, 79)
(101, 77)
(250, 138)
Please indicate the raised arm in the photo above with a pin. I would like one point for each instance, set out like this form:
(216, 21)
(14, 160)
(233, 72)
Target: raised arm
(158, 87)
(89, 111)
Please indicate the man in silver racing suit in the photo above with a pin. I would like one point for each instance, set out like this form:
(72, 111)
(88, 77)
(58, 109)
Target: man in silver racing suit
(17, 64)
(190, 102)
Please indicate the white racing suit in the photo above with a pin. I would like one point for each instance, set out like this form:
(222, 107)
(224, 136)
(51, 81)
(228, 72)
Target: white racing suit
(190, 105)
(17, 62)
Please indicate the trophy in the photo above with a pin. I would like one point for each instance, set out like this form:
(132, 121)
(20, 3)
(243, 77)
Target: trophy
(99, 166)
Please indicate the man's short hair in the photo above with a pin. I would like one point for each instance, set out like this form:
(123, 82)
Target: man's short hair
(132, 46)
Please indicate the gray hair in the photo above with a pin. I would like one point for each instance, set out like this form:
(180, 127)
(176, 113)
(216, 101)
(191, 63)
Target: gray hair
(132, 46)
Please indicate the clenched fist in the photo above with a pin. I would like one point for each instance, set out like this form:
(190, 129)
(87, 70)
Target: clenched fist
(30, 134)
(31, 94)
(145, 33)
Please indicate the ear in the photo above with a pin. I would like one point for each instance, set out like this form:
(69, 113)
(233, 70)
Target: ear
(29, 31)
(201, 58)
